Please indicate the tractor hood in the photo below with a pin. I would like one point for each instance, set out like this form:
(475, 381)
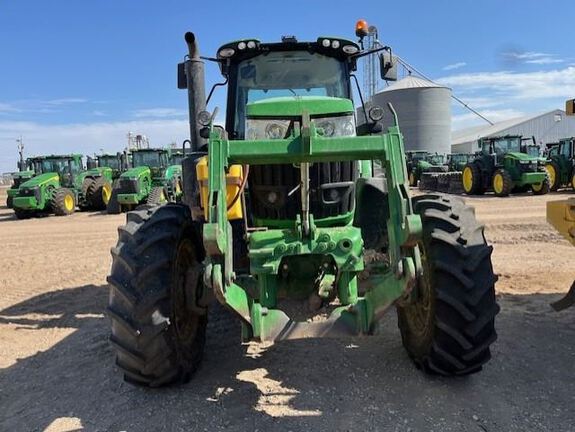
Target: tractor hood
(522, 157)
(294, 106)
(136, 172)
(40, 179)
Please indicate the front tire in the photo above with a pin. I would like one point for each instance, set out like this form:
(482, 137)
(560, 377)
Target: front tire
(541, 188)
(10, 202)
(158, 324)
(99, 193)
(113, 206)
(449, 328)
(554, 176)
(63, 202)
(471, 180)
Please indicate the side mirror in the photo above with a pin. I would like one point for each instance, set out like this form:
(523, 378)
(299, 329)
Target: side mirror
(388, 66)
(182, 80)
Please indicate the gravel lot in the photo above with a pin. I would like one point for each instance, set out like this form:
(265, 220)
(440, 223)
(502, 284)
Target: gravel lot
(57, 371)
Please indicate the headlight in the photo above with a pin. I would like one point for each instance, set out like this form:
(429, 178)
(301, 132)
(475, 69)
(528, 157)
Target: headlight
(524, 162)
(259, 129)
(336, 126)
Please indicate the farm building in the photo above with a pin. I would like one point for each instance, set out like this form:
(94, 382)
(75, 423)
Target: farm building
(546, 128)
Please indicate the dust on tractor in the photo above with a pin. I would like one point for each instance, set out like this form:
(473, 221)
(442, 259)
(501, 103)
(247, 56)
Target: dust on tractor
(503, 167)
(281, 204)
(152, 179)
(61, 183)
(25, 172)
(560, 164)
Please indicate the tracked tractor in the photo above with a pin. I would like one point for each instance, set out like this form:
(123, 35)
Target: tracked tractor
(25, 172)
(560, 164)
(58, 187)
(281, 204)
(504, 167)
(152, 179)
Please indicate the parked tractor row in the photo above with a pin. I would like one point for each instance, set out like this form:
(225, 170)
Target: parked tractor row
(60, 184)
(504, 165)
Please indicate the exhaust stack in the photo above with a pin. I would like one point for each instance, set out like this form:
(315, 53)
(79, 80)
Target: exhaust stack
(195, 83)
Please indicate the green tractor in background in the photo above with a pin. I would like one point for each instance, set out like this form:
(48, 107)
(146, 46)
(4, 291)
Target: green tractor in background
(504, 167)
(152, 179)
(61, 183)
(25, 172)
(291, 210)
(449, 180)
(560, 163)
(420, 162)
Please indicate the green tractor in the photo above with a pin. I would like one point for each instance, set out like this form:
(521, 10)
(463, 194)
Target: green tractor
(503, 166)
(152, 179)
(420, 162)
(457, 161)
(25, 172)
(61, 183)
(290, 211)
(560, 163)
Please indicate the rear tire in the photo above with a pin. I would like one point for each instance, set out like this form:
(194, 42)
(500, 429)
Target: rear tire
(449, 328)
(158, 332)
(99, 193)
(501, 183)
(63, 202)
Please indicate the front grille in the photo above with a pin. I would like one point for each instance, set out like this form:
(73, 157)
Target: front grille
(129, 186)
(331, 190)
(530, 167)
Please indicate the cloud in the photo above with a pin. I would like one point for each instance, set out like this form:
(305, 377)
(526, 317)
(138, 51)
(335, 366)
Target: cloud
(159, 113)
(63, 101)
(85, 138)
(558, 83)
(531, 57)
(8, 108)
(454, 66)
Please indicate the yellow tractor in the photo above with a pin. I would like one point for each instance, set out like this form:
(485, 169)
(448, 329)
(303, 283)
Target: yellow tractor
(561, 215)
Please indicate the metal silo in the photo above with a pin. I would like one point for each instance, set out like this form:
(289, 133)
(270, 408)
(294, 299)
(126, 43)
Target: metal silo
(424, 113)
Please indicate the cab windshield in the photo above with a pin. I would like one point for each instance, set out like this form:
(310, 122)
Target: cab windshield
(176, 159)
(58, 165)
(459, 158)
(533, 151)
(109, 161)
(286, 73)
(150, 159)
(505, 145)
(436, 159)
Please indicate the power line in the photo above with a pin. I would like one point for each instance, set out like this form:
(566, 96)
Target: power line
(411, 68)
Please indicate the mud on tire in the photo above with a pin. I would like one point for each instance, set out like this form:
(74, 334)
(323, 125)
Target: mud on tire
(156, 341)
(449, 328)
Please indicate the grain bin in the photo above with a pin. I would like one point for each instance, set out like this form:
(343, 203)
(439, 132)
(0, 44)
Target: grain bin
(424, 112)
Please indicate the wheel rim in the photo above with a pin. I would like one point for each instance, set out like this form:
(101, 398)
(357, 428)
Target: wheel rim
(467, 179)
(106, 193)
(498, 183)
(185, 320)
(552, 174)
(69, 202)
(411, 179)
(537, 186)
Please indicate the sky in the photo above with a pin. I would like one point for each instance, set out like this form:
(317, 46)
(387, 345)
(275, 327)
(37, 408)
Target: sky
(79, 75)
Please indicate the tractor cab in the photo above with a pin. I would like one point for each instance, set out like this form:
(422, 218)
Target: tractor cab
(560, 163)
(118, 163)
(155, 159)
(457, 161)
(177, 157)
(66, 166)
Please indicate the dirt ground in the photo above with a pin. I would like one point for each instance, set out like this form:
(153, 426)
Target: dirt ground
(57, 371)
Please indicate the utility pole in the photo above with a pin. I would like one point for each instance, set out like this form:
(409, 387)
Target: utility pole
(20, 153)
